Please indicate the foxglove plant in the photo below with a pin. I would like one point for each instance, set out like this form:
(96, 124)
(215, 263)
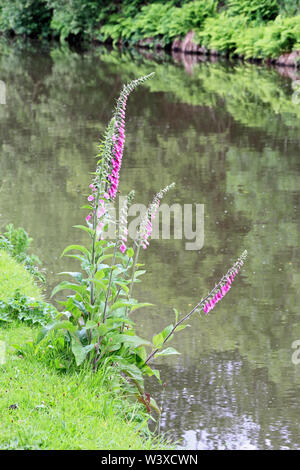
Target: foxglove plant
(96, 318)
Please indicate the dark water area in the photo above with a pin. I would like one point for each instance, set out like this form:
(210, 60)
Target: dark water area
(228, 136)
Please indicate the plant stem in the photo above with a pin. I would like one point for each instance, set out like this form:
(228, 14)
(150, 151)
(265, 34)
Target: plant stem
(133, 273)
(200, 304)
(109, 283)
(92, 299)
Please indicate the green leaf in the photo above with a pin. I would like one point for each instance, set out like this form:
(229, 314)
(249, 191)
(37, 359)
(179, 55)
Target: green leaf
(65, 285)
(102, 329)
(140, 305)
(119, 304)
(81, 248)
(156, 373)
(90, 324)
(166, 331)
(154, 405)
(139, 273)
(181, 327)
(123, 285)
(65, 324)
(90, 231)
(167, 352)
(130, 252)
(80, 352)
(158, 340)
(141, 353)
(132, 371)
(99, 275)
(134, 341)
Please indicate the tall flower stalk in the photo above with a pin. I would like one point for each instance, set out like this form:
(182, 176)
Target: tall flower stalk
(145, 229)
(224, 283)
(96, 320)
(106, 181)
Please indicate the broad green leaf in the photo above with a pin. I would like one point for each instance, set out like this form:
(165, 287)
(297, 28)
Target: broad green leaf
(76, 247)
(113, 347)
(142, 353)
(130, 252)
(134, 341)
(140, 305)
(158, 340)
(81, 258)
(80, 352)
(99, 275)
(123, 285)
(167, 352)
(90, 324)
(132, 371)
(119, 304)
(65, 285)
(156, 373)
(181, 327)
(166, 331)
(90, 231)
(154, 405)
(65, 324)
(139, 273)
(102, 329)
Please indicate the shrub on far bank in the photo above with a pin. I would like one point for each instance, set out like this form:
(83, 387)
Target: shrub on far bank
(250, 40)
(250, 28)
(25, 17)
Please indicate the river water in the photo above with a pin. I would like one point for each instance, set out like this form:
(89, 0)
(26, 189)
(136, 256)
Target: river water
(228, 135)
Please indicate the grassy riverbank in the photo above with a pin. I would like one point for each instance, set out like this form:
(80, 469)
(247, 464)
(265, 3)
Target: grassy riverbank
(252, 29)
(46, 405)
(42, 408)
(14, 276)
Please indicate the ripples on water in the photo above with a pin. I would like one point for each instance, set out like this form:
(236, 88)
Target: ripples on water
(228, 135)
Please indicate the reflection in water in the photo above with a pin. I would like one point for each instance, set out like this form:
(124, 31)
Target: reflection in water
(228, 135)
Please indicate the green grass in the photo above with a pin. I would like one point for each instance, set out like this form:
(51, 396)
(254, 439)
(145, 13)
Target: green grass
(57, 410)
(44, 407)
(14, 276)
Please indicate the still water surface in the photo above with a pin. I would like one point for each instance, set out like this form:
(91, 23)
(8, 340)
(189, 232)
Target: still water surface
(228, 135)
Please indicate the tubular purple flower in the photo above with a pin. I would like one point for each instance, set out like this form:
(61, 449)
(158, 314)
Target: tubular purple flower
(224, 285)
(146, 223)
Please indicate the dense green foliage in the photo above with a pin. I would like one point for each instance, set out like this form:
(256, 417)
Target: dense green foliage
(235, 35)
(250, 28)
(26, 309)
(16, 242)
(14, 276)
(25, 17)
(47, 414)
(46, 407)
(162, 20)
(254, 9)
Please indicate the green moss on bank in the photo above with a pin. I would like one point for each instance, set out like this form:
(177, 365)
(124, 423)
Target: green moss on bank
(13, 276)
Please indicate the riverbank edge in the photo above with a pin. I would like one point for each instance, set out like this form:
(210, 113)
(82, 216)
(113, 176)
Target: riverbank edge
(187, 45)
